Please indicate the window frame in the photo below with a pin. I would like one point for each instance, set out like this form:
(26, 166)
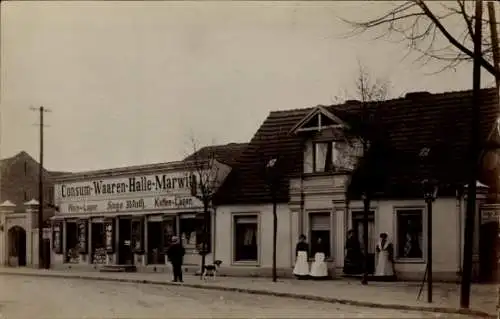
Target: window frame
(331, 214)
(234, 217)
(396, 243)
(330, 144)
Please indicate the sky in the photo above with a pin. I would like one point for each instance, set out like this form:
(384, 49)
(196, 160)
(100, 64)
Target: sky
(131, 83)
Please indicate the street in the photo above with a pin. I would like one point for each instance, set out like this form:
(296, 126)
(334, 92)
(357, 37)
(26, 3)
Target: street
(35, 297)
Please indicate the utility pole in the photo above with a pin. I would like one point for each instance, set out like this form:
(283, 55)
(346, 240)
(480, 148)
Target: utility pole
(473, 162)
(41, 203)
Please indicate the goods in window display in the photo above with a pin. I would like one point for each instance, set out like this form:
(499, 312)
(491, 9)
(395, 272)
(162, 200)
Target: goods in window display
(57, 238)
(192, 239)
(137, 236)
(109, 236)
(82, 236)
(100, 256)
(73, 256)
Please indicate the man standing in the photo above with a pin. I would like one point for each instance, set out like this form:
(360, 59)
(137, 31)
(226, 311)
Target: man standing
(175, 254)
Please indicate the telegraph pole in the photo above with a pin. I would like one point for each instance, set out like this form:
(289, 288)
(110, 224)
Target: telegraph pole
(41, 203)
(473, 164)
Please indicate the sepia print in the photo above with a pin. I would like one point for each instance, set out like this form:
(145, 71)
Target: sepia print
(249, 159)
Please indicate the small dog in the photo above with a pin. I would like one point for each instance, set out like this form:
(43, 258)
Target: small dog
(211, 270)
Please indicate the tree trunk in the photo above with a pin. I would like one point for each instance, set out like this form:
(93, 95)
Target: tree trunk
(366, 211)
(275, 234)
(206, 218)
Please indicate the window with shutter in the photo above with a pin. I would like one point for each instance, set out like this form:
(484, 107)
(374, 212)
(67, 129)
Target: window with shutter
(320, 233)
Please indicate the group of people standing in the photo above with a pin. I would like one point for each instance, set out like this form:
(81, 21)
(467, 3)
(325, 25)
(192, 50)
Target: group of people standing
(318, 269)
(353, 261)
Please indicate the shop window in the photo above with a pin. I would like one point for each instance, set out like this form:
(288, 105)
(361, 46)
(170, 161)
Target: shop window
(320, 228)
(57, 237)
(192, 232)
(156, 253)
(245, 238)
(409, 233)
(72, 243)
(98, 240)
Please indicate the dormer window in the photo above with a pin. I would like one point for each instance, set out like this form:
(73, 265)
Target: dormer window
(324, 156)
(331, 156)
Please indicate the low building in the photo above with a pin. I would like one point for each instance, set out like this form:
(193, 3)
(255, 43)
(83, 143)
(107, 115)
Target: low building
(19, 178)
(324, 175)
(127, 216)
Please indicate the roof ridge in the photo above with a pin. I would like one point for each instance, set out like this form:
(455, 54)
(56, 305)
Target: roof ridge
(345, 104)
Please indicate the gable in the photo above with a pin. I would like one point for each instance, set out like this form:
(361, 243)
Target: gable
(318, 119)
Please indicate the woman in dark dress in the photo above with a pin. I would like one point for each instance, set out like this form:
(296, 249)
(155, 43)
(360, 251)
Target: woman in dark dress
(301, 269)
(353, 256)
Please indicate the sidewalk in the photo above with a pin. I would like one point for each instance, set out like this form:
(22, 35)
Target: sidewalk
(398, 295)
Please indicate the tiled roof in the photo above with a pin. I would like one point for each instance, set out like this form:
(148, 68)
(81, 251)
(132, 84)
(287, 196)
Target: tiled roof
(227, 153)
(438, 121)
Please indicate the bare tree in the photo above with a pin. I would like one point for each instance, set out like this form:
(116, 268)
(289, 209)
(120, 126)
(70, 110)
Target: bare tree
(438, 30)
(206, 177)
(271, 164)
(368, 90)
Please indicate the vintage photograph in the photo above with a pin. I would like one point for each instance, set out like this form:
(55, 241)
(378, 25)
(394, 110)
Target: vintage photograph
(249, 159)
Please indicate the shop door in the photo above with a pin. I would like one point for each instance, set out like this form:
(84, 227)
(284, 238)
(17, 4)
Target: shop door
(489, 254)
(357, 225)
(125, 255)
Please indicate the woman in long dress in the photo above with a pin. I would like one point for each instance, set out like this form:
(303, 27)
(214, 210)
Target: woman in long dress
(319, 269)
(353, 256)
(385, 253)
(301, 269)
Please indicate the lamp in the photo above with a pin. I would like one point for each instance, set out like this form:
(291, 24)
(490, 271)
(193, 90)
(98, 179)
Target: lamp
(430, 189)
(272, 180)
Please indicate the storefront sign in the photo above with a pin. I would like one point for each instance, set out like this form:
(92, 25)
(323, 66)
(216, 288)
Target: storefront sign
(489, 214)
(137, 204)
(160, 183)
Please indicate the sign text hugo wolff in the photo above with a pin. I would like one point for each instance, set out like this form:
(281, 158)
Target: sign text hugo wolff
(155, 191)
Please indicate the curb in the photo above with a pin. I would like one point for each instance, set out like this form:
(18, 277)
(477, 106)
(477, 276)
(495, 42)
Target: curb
(446, 310)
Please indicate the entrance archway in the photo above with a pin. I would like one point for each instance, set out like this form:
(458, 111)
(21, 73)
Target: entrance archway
(17, 244)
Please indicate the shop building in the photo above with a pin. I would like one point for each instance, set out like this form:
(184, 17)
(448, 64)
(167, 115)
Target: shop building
(127, 216)
(324, 173)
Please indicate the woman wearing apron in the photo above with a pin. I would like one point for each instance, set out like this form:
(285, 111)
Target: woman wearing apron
(318, 268)
(301, 269)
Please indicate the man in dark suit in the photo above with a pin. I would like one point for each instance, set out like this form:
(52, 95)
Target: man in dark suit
(175, 254)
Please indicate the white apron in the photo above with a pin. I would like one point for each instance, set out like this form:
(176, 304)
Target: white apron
(318, 268)
(384, 266)
(301, 264)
